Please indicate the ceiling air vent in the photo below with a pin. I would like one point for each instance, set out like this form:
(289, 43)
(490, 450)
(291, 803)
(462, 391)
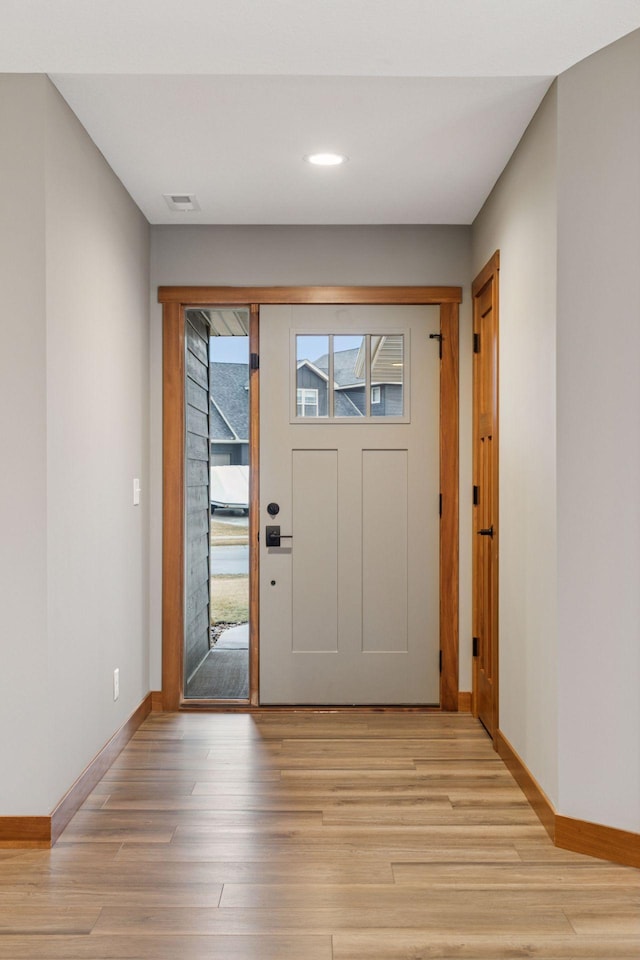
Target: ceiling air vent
(181, 202)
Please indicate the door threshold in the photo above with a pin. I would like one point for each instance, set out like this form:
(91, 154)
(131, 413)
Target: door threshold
(238, 706)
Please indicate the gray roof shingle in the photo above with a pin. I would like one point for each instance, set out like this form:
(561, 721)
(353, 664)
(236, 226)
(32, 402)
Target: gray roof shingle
(344, 362)
(228, 383)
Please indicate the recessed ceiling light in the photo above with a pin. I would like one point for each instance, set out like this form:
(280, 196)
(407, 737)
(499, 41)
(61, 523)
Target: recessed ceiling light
(326, 159)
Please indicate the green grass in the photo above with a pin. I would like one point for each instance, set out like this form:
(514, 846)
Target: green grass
(230, 599)
(228, 534)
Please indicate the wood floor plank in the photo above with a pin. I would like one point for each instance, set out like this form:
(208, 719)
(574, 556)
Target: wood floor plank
(302, 870)
(348, 771)
(420, 771)
(143, 789)
(611, 919)
(227, 808)
(425, 814)
(542, 851)
(424, 945)
(462, 899)
(211, 772)
(353, 764)
(382, 836)
(69, 854)
(399, 787)
(491, 876)
(98, 894)
(202, 818)
(326, 920)
(25, 918)
(153, 947)
(377, 749)
(257, 849)
(203, 749)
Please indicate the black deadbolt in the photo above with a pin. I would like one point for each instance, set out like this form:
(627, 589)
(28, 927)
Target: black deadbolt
(273, 509)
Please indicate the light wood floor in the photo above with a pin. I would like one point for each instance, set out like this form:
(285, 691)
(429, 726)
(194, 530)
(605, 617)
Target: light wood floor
(312, 837)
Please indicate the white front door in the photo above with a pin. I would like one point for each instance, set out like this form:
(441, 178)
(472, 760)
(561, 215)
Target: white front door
(349, 439)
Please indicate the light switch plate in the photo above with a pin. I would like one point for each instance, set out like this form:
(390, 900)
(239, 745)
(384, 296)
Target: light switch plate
(136, 492)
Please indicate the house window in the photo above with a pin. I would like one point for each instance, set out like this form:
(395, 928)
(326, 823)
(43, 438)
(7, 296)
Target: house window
(307, 402)
(375, 394)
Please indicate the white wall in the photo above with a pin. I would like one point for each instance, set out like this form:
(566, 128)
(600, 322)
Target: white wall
(74, 422)
(269, 256)
(519, 219)
(566, 217)
(23, 491)
(599, 436)
(97, 442)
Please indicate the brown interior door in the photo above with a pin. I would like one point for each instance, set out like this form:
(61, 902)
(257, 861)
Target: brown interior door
(485, 495)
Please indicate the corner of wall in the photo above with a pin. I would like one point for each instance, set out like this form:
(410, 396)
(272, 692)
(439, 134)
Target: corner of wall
(520, 219)
(598, 439)
(23, 424)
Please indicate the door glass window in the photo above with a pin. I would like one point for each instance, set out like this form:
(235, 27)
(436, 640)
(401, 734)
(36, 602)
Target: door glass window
(216, 638)
(387, 376)
(312, 377)
(350, 377)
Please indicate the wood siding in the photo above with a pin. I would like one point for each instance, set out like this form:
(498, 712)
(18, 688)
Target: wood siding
(391, 402)
(197, 614)
(357, 397)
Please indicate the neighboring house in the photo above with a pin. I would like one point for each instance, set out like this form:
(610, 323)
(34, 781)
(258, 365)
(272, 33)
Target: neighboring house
(312, 396)
(349, 383)
(229, 413)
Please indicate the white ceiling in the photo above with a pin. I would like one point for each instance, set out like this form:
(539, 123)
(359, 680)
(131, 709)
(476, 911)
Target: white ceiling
(420, 150)
(428, 98)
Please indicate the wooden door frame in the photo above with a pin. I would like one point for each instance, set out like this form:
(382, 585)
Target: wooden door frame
(175, 301)
(490, 273)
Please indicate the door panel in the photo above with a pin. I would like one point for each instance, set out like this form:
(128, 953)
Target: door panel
(315, 571)
(485, 511)
(385, 585)
(349, 607)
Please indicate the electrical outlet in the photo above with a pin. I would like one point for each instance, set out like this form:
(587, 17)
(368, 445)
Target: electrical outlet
(116, 683)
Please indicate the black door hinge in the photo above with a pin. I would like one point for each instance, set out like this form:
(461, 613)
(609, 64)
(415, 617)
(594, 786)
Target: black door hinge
(475, 646)
(476, 495)
(440, 505)
(254, 361)
(476, 343)
(440, 661)
(438, 337)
